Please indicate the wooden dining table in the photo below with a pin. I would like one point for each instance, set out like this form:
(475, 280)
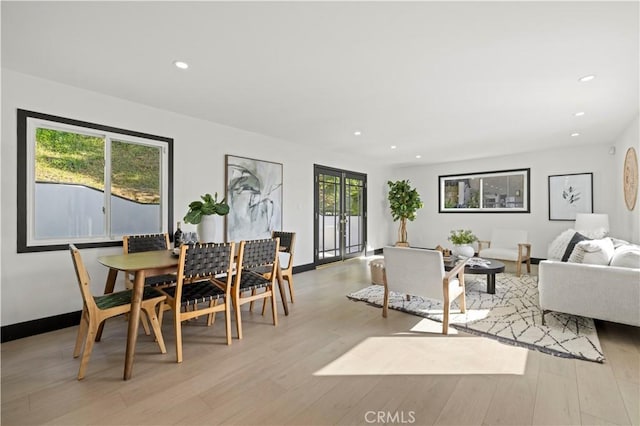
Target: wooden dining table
(142, 265)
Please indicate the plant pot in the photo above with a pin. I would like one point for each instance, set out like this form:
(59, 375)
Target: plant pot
(464, 250)
(207, 229)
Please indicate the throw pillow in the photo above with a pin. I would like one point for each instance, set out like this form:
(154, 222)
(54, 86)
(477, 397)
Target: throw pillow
(559, 245)
(626, 257)
(577, 237)
(594, 252)
(594, 234)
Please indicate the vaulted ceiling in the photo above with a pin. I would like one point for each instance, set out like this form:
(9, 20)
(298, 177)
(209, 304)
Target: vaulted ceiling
(443, 80)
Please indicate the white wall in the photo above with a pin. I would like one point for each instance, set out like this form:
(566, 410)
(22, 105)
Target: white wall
(432, 228)
(625, 221)
(37, 285)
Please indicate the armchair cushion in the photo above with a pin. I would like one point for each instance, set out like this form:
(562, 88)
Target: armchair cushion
(500, 253)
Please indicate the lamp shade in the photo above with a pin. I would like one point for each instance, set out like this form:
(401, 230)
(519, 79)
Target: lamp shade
(592, 222)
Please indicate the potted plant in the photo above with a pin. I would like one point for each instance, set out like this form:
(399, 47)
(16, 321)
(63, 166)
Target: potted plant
(201, 214)
(462, 240)
(404, 202)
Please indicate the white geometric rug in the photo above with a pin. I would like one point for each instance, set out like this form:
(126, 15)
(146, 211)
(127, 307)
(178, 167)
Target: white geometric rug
(512, 315)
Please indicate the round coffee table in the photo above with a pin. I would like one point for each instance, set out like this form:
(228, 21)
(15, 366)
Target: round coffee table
(490, 270)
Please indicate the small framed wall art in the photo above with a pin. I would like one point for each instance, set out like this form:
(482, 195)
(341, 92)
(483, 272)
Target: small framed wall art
(570, 194)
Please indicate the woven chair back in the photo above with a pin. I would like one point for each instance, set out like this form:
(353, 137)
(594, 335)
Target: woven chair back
(207, 260)
(258, 253)
(287, 240)
(148, 242)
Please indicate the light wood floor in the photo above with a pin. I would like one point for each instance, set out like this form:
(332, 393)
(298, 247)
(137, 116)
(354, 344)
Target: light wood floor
(331, 361)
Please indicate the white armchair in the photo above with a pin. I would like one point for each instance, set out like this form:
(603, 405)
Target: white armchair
(419, 272)
(508, 244)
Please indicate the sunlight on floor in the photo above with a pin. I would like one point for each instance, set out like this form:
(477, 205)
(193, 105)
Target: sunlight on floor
(418, 355)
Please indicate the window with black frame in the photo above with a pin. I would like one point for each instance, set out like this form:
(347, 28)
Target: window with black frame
(503, 191)
(89, 184)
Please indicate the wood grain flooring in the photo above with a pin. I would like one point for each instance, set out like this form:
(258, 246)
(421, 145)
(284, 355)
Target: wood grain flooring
(331, 361)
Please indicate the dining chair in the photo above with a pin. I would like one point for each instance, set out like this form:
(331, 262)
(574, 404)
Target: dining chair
(287, 244)
(97, 309)
(147, 242)
(420, 272)
(207, 269)
(256, 265)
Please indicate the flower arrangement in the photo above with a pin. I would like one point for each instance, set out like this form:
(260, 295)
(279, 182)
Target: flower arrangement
(462, 236)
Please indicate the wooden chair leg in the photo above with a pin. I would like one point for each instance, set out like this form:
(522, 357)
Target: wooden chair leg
(177, 326)
(88, 348)
(264, 306)
(289, 279)
(253, 293)
(528, 265)
(145, 325)
(236, 308)
(82, 332)
(161, 309)
(274, 311)
(463, 303)
(445, 317)
(155, 324)
(212, 315)
(227, 320)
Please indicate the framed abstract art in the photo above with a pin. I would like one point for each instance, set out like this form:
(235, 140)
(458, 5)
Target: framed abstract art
(254, 195)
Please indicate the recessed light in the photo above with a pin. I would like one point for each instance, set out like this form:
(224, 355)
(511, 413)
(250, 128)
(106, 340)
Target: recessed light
(357, 133)
(418, 156)
(181, 65)
(586, 78)
(393, 147)
(579, 114)
(575, 134)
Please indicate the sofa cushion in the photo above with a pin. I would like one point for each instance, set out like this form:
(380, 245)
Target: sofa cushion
(559, 245)
(577, 237)
(594, 252)
(626, 256)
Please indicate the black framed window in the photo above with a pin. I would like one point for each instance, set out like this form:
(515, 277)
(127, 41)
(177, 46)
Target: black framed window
(89, 184)
(502, 191)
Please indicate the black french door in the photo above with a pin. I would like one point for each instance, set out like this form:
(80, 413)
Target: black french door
(340, 214)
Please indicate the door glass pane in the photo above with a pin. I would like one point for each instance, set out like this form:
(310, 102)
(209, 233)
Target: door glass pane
(354, 215)
(328, 216)
(69, 185)
(135, 188)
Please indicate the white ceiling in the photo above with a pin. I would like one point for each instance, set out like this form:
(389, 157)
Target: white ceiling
(446, 80)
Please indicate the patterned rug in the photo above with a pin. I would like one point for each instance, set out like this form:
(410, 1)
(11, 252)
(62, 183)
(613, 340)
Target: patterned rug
(512, 315)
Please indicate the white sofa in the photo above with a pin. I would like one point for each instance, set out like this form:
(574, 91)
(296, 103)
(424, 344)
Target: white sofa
(591, 276)
(609, 293)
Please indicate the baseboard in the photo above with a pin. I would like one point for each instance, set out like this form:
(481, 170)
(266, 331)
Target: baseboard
(39, 326)
(304, 268)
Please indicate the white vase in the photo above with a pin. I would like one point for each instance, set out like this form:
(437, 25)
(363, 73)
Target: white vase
(464, 250)
(207, 229)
